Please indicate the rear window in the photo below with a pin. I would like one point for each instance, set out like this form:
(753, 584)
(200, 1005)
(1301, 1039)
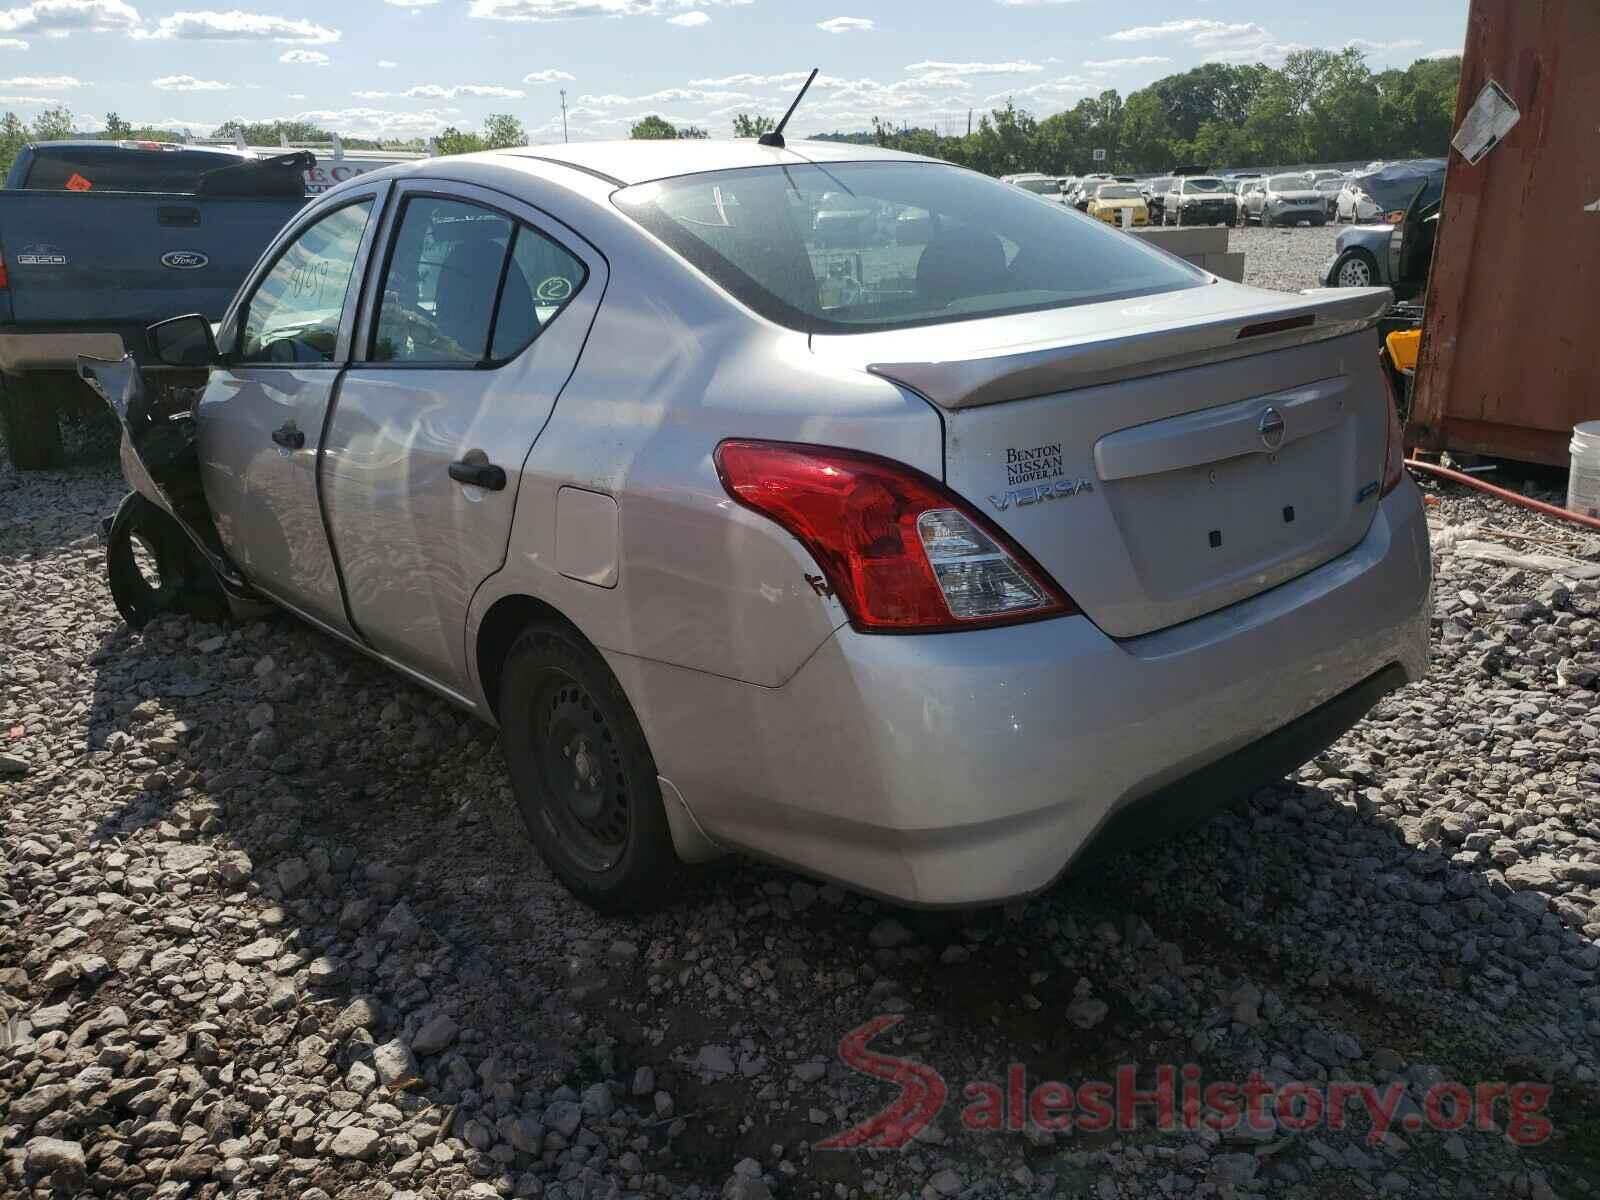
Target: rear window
(110, 169)
(1291, 183)
(1204, 185)
(853, 247)
(1117, 191)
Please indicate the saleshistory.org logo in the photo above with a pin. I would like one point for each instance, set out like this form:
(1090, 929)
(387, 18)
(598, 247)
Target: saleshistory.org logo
(1176, 1100)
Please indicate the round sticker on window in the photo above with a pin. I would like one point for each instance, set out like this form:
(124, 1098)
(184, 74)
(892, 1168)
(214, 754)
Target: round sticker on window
(554, 289)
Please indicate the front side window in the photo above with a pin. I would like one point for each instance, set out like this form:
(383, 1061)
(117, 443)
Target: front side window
(466, 284)
(852, 247)
(295, 312)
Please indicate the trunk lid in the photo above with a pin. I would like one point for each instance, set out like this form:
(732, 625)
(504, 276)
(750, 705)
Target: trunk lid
(1161, 457)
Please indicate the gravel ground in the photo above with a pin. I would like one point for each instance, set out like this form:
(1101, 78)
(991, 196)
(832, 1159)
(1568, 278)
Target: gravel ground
(269, 927)
(1288, 259)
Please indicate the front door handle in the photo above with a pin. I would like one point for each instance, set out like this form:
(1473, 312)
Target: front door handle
(479, 474)
(288, 436)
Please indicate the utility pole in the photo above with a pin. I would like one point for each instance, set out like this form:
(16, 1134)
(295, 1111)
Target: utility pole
(969, 122)
(563, 114)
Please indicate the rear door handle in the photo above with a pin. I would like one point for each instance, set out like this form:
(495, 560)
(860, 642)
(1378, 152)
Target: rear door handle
(288, 436)
(479, 474)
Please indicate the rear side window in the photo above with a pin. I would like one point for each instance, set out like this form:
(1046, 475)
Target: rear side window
(466, 284)
(853, 247)
(111, 169)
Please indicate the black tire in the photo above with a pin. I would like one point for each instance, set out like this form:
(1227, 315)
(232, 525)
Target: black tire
(583, 774)
(1350, 264)
(144, 540)
(32, 424)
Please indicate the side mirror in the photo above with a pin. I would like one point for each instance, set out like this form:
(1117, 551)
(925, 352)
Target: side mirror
(183, 342)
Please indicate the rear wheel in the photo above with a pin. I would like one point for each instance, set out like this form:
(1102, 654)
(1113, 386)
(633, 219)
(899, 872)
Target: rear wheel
(154, 569)
(583, 775)
(31, 423)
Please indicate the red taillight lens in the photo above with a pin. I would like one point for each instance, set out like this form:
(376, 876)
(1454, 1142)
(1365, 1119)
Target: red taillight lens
(900, 552)
(5, 278)
(1394, 453)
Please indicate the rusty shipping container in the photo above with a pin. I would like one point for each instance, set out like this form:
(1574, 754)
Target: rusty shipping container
(1511, 331)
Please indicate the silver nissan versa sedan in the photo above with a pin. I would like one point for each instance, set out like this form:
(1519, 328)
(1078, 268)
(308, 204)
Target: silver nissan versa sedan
(920, 557)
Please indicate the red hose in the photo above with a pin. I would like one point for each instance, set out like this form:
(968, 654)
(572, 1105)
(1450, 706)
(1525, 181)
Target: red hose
(1549, 510)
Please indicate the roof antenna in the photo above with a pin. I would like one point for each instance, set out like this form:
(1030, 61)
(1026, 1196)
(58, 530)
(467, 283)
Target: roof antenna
(774, 137)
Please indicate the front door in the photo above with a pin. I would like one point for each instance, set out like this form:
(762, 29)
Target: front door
(262, 413)
(477, 321)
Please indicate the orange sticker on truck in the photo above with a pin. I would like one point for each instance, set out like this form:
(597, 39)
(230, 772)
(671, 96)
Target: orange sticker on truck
(77, 183)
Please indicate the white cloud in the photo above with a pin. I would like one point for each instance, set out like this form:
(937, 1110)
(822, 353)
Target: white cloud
(846, 25)
(297, 96)
(305, 58)
(29, 100)
(1117, 64)
(434, 91)
(52, 82)
(690, 20)
(1144, 33)
(58, 18)
(547, 76)
(962, 70)
(1447, 52)
(747, 80)
(568, 10)
(236, 25)
(13, 44)
(1067, 85)
(1032, 3)
(377, 122)
(370, 95)
(1383, 47)
(387, 64)
(411, 3)
(664, 96)
(188, 83)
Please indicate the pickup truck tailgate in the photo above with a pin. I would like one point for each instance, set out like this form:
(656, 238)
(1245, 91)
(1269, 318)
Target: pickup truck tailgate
(130, 258)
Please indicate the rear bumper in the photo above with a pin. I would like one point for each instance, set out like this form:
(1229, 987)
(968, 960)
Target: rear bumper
(961, 769)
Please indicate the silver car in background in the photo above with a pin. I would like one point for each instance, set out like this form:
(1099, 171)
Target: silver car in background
(1283, 200)
(921, 562)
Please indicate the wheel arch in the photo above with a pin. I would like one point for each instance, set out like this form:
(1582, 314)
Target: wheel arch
(506, 618)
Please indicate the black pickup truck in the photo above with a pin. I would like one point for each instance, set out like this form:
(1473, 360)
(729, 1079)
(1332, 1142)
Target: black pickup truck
(100, 239)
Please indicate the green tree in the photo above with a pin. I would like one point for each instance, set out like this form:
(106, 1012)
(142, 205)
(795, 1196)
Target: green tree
(652, 128)
(746, 125)
(117, 128)
(456, 141)
(693, 131)
(501, 130)
(1147, 134)
(52, 125)
(13, 137)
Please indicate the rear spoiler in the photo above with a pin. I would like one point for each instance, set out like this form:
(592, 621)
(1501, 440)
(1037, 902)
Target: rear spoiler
(1323, 313)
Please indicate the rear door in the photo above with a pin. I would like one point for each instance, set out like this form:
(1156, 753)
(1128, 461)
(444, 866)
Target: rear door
(261, 417)
(478, 314)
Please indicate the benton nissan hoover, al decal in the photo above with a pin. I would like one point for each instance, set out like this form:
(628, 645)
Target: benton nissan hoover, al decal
(1031, 465)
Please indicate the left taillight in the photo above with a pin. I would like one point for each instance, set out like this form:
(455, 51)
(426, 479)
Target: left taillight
(5, 277)
(902, 553)
(1394, 454)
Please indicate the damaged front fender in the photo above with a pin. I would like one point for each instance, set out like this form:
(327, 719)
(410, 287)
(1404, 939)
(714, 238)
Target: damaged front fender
(160, 461)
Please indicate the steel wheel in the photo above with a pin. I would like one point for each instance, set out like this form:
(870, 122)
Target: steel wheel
(585, 778)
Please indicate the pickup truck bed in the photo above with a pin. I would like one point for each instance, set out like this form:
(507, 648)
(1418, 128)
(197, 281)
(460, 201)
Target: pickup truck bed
(86, 272)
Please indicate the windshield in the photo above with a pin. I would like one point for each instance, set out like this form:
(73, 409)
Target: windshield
(1330, 185)
(1291, 183)
(929, 243)
(1204, 185)
(1039, 186)
(1117, 191)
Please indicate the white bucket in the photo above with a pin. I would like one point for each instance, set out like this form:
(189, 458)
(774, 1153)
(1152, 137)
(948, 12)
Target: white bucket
(1583, 476)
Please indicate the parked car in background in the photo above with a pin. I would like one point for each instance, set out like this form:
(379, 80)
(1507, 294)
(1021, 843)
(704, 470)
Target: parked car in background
(1397, 256)
(1155, 196)
(1283, 200)
(1079, 198)
(1330, 189)
(1030, 532)
(1039, 185)
(1385, 194)
(99, 239)
(1111, 200)
(1199, 200)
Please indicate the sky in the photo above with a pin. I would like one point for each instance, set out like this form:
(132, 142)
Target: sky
(408, 68)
